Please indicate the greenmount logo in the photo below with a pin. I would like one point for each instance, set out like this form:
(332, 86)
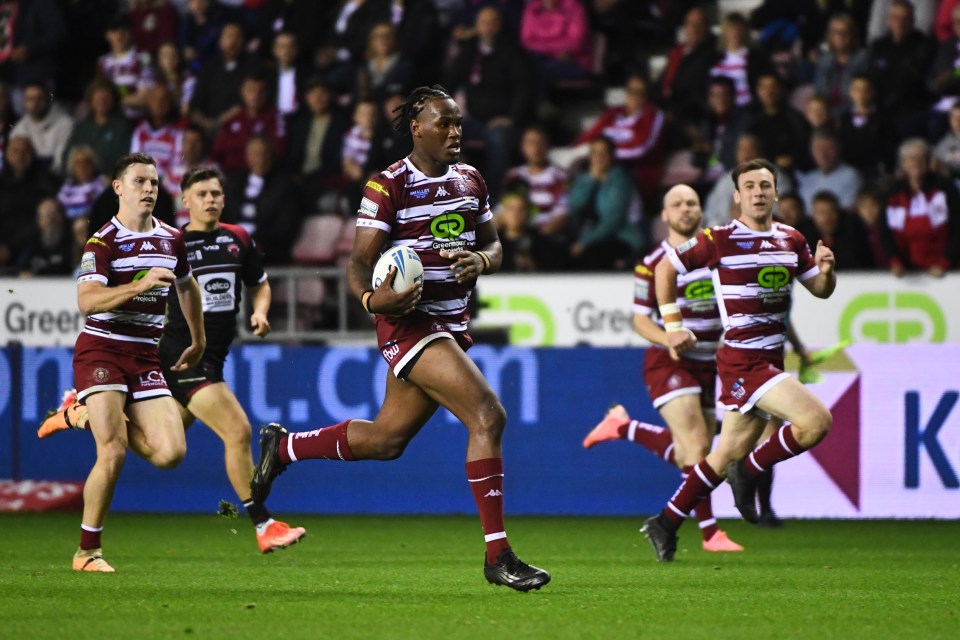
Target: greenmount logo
(905, 316)
(446, 228)
(529, 318)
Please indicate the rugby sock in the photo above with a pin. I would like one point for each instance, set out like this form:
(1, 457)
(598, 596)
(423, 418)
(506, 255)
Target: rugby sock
(765, 490)
(698, 485)
(778, 447)
(654, 438)
(257, 512)
(90, 537)
(703, 511)
(486, 482)
(326, 444)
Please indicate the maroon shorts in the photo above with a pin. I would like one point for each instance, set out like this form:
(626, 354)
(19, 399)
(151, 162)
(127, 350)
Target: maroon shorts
(667, 378)
(747, 374)
(402, 340)
(102, 364)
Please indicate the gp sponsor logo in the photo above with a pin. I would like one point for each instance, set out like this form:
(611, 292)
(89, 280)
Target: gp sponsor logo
(774, 278)
(905, 316)
(699, 290)
(147, 296)
(447, 226)
(529, 319)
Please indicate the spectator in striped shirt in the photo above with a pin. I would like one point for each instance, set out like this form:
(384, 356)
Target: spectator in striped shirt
(128, 68)
(356, 146)
(83, 184)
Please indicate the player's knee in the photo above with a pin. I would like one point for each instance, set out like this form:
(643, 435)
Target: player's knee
(492, 418)
(112, 456)
(822, 421)
(169, 456)
(238, 435)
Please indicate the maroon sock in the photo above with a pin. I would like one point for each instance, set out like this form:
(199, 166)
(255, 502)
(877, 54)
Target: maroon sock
(778, 447)
(486, 482)
(325, 444)
(698, 485)
(703, 511)
(654, 438)
(90, 537)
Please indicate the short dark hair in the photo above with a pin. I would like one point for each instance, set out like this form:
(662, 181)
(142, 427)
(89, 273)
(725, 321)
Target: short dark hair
(130, 159)
(753, 165)
(410, 108)
(826, 196)
(199, 174)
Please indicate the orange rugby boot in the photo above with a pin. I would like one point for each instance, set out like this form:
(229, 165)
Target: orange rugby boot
(69, 415)
(91, 560)
(720, 542)
(279, 535)
(609, 427)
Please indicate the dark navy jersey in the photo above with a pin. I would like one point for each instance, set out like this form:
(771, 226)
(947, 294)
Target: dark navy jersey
(221, 260)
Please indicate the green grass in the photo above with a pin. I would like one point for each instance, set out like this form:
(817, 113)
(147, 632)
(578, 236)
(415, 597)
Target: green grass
(420, 577)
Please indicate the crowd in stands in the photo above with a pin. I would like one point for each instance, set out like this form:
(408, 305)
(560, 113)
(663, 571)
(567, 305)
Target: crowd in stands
(579, 114)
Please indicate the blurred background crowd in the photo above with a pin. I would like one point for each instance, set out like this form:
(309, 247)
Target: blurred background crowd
(579, 114)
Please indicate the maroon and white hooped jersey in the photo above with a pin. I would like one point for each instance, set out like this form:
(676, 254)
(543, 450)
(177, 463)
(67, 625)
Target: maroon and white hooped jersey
(430, 215)
(114, 256)
(164, 145)
(752, 273)
(695, 295)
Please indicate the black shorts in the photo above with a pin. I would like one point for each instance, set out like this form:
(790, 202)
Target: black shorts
(183, 384)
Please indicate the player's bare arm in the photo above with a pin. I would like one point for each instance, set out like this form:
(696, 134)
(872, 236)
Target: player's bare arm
(679, 339)
(649, 330)
(486, 259)
(823, 284)
(261, 296)
(367, 246)
(189, 293)
(96, 297)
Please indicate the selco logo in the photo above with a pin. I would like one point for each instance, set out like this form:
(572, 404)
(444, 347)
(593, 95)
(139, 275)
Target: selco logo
(699, 290)
(217, 285)
(905, 316)
(447, 226)
(773, 277)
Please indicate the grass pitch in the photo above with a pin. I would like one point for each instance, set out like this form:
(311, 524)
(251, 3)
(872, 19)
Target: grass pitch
(421, 577)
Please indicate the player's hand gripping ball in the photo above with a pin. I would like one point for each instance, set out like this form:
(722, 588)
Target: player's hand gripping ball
(407, 262)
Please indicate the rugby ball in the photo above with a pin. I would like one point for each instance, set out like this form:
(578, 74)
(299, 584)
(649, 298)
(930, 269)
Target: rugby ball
(407, 262)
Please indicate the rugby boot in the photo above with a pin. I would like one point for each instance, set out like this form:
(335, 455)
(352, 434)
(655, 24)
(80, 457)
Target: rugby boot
(609, 427)
(769, 520)
(269, 466)
(719, 541)
(511, 571)
(663, 541)
(744, 490)
(69, 415)
(279, 535)
(91, 560)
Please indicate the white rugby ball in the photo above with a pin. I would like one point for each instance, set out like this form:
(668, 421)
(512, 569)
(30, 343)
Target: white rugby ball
(407, 262)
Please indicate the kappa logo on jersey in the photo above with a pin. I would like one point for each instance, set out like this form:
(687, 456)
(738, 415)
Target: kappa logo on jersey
(147, 246)
(766, 245)
(441, 192)
(127, 247)
(368, 208)
(88, 263)
(493, 493)
(420, 193)
(379, 188)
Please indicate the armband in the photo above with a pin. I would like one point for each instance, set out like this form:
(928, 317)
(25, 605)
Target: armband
(485, 259)
(365, 300)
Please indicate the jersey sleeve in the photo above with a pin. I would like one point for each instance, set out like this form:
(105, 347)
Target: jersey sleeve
(806, 266)
(644, 291)
(182, 270)
(484, 213)
(377, 207)
(251, 269)
(95, 262)
(697, 252)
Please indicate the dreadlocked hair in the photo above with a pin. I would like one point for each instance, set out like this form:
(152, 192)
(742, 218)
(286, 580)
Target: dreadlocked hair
(413, 105)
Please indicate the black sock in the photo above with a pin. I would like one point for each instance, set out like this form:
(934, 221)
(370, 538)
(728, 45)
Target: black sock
(764, 490)
(257, 512)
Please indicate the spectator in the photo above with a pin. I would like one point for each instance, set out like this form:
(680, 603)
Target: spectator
(714, 138)
(200, 32)
(382, 71)
(38, 31)
(784, 131)
(947, 151)
(840, 59)
(160, 135)
(153, 22)
(557, 34)
(171, 72)
(944, 79)
(867, 135)
(870, 208)
(46, 125)
(683, 85)
(607, 213)
(841, 231)
(922, 211)
(790, 211)
(738, 59)
(305, 20)
(519, 241)
(779, 19)
(389, 145)
(216, 97)
(922, 16)
(637, 131)
(422, 39)
(125, 66)
(899, 63)
(943, 22)
(83, 185)
(262, 199)
(545, 185)
(816, 111)
(103, 129)
(287, 74)
(356, 147)
(23, 184)
(257, 117)
(6, 119)
(493, 73)
(316, 135)
(465, 21)
(353, 22)
(830, 173)
(193, 153)
(49, 250)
